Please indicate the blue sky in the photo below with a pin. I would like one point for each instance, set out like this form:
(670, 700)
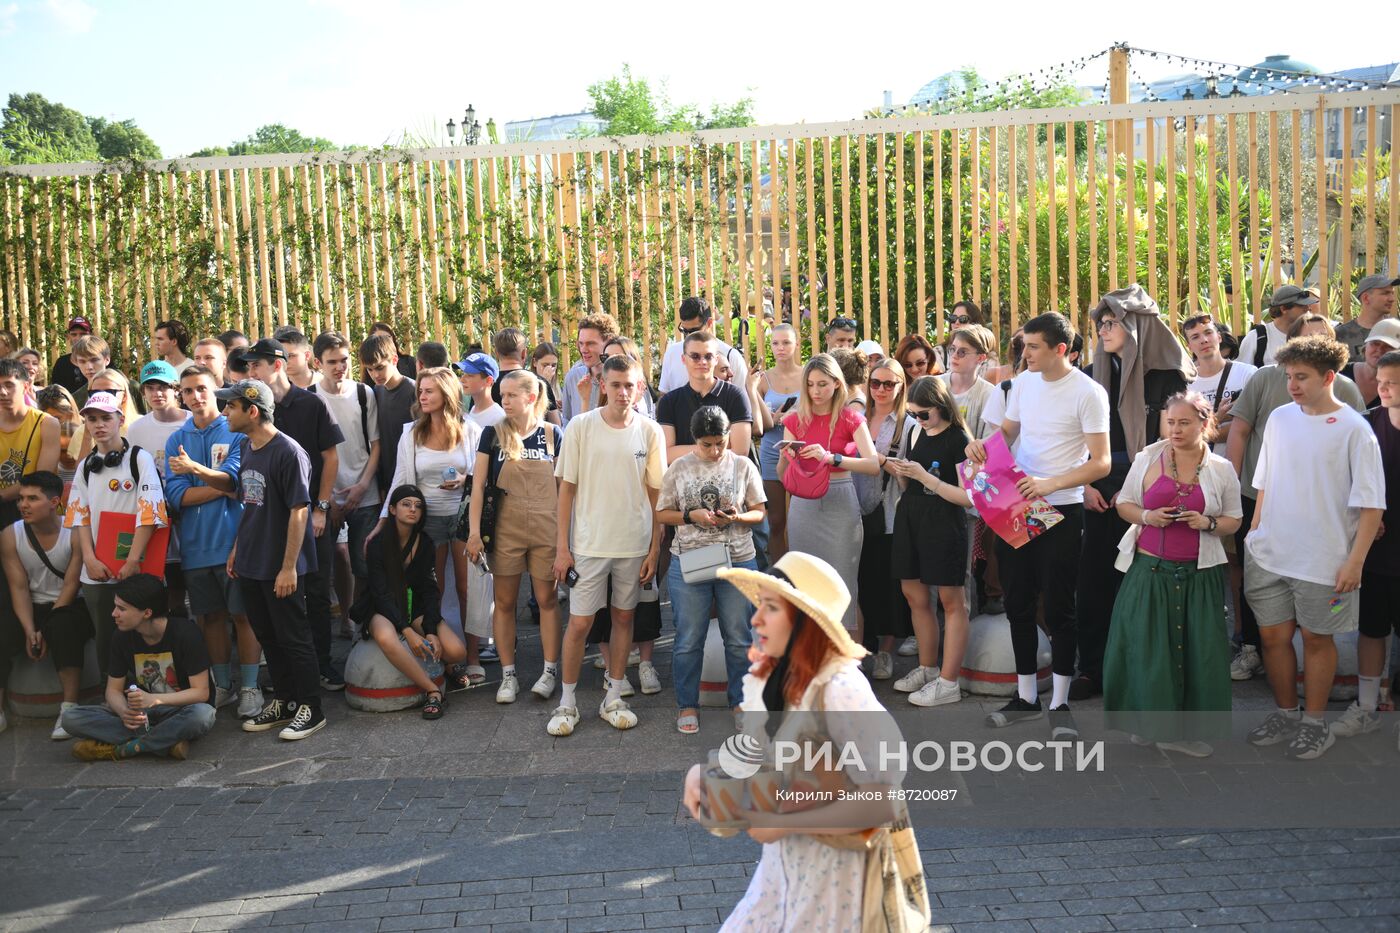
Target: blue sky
(198, 73)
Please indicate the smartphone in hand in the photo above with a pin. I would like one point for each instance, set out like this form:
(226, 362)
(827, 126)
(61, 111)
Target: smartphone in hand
(571, 577)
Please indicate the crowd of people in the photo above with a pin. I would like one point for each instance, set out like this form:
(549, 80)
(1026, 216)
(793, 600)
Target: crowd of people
(244, 489)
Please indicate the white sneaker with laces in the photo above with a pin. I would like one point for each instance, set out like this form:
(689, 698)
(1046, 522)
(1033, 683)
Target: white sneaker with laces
(223, 696)
(544, 687)
(915, 679)
(59, 733)
(563, 721)
(1246, 664)
(936, 692)
(908, 648)
(508, 689)
(627, 690)
(250, 702)
(634, 657)
(647, 676)
(1355, 721)
(884, 666)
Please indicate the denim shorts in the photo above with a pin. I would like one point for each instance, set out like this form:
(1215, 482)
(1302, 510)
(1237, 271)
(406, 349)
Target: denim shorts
(439, 528)
(211, 589)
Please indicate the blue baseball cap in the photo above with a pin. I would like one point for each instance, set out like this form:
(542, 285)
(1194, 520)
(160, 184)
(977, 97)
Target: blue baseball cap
(480, 364)
(159, 371)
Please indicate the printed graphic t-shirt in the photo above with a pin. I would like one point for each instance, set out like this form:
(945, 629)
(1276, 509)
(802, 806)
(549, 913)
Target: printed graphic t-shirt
(273, 481)
(166, 666)
(115, 489)
(692, 483)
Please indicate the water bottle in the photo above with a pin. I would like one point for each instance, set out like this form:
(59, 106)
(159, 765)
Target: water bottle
(145, 717)
(449, 474)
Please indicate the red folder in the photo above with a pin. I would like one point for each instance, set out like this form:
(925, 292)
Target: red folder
(114, 537)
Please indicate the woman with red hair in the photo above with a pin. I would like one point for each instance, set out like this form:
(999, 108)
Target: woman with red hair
(807, 667)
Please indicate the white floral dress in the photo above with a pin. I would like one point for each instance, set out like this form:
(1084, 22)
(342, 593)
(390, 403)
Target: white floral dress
(803, 884)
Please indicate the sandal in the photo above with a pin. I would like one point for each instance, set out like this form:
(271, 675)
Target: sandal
(434, 705)
(688, 724)
(476, 674)
(1386, 704)
(455, 680)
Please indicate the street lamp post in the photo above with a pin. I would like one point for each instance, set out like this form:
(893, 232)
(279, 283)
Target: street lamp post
(471, 128)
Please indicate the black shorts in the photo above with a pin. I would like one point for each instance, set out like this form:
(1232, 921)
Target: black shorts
(1379, 605)
(930, 541)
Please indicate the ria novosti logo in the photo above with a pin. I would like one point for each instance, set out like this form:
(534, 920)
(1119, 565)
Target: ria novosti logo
(741, 756)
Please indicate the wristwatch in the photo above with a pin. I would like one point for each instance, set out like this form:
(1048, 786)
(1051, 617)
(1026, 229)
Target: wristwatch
(836, 461)
(1213, 523)
(323, 505)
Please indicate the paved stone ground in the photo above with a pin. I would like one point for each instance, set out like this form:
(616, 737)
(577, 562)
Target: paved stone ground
(387, 822)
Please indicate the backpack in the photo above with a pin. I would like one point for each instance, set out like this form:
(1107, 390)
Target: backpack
(1261, 343)
(362, 394)
(135, 467)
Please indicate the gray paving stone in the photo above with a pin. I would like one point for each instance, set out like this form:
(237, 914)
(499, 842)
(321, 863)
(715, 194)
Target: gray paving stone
(428, 921)
(301, 915)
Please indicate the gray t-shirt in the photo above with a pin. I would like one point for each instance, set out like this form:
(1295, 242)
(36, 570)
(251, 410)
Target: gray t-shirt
(691, 483)
(1266, 391)
(1353, 334)
(395, 408)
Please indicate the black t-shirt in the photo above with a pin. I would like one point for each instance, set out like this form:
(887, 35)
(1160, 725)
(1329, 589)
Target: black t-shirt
(1384, 556)
(305, 419)
(548, 390)
(273, 481)
(1158, 385)
(534, 447)
(395, 408)
(678, 406)
(166, 666)
(65, 373)
(947, 449)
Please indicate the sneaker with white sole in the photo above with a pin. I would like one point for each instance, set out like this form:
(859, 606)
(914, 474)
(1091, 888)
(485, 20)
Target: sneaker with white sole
(1355, 721)
(274, 714)
(1062, 725)
(936, 692)
(908, 648)
(563, 721)
(634, 657)
(916, 679)
(508, 689)
(617, 714)
(1246, 664)
(1275, 728)
(1018, 710)
(223, 696)
(1187, 747)
(884, 666)
(648, 678)
(59, 733)
(250, 702)
(544, 687)
(627, 690)
(1310, 741)
(308, 721)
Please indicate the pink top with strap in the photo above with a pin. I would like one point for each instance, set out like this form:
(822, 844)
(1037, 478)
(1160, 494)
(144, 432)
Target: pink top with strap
(1178, 541)
(818, 431)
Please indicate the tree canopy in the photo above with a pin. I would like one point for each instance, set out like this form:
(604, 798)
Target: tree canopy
(35, 129)
(269, 138)
(630, 105)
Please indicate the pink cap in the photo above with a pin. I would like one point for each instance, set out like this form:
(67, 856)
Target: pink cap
(102, 401)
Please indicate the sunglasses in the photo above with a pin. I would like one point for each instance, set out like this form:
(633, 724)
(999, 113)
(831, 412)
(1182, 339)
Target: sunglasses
(961, 319)
(919, 415)
(690, 330)
(888, 386)
(842, 323)
(961, 352)
(700, 357)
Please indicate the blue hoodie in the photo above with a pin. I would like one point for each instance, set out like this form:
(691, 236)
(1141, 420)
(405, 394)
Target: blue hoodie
(207, 531)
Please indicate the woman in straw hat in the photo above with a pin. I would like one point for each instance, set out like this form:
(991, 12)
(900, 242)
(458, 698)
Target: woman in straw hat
(820, 870)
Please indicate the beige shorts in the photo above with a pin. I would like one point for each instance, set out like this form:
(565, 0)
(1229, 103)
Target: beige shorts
(1277, 599)
(590, 593)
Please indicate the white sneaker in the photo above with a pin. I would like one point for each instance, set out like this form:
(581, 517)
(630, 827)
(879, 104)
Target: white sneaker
(223, 697)
(250, 702)
(1187, 747)
(634, 657)
(59, 733)
(909, 647)
(936, 693)
(646, 674)
(1355, 721)
(915, 679)
(884, 666)
(508, 689)
(617, 714)
(563, 721)
(544, 687)
(1246, 664)
(627, 690)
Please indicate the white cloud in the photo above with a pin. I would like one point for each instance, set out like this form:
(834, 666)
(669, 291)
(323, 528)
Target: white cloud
(72, 15)
(7, 18)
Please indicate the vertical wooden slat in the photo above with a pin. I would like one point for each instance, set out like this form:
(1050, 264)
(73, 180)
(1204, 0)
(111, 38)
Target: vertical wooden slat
(722, 196)
(1013, 254)
(864, 230)
(810, 230)
(1213, 219)
(793, 238)
(628, 289)
(1173, 309)
(775, 248)
(1071, 222)
(323, 235)
(1032, 221)
(1150, 148)
(576, 244)
(955, 213)
(337, 206)
(756, 204)
(294, 279)
(1344, 207)
(278, 258)
(562, 168)
(1320, 153)
(847, 268)
(386, 249)
(917, 325)
(643, 237)
(974, 208)
(935, 321)
(614, 269)
(1232, 176)
(1256, 271)
(264, 248)
(1193, 220)
(434, 269)
(693, 254)
(1052, 233)
(673, 194)
(589, 229)
(994, 234)
(1127, 148)
(1371, 146)
(656, 215)
(882, 234)
(829, 273)
(366, 262)
(147, 259)
(1275, 216)
(1091, 181)
(1393, 235)
(1111, 207)
(706, 166)
(901, 279)
(741, 240)
(1296, 145)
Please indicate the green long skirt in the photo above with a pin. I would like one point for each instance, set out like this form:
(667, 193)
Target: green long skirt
(1166, 672)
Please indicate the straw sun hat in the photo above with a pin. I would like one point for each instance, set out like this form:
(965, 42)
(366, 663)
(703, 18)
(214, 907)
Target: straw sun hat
(811, 585)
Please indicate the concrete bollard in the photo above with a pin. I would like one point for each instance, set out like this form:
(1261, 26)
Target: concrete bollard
(34, 689)
(1344, 686)
(374, 685)
(714, 674)
(989, 665)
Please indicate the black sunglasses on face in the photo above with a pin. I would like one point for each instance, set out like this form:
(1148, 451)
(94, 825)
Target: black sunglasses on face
(882, 384)
(962, 319)
(842, 323)
(918, 415)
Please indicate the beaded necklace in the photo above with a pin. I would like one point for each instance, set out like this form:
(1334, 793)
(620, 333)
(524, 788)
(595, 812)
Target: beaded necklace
(1184, 490)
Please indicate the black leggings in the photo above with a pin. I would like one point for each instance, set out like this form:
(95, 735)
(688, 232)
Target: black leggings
(1044, 568)
(65, 630)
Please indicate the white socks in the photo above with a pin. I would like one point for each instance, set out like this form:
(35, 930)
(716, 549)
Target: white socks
(566, 695)
(614, 690)
(1368, 693)
(552, 667)
(1059, 691)
(507, 670)
(1025, 687)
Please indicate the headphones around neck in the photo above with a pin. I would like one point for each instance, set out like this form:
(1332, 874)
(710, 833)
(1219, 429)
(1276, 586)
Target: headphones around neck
(97, 461)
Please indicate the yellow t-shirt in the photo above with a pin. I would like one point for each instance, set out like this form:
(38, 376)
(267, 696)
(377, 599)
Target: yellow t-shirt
(19, 449)
(612, 512)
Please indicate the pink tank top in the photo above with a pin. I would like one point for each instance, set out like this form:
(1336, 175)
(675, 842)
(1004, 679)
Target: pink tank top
(1178, 541)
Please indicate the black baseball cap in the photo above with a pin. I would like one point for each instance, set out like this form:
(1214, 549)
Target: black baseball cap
(267, 349)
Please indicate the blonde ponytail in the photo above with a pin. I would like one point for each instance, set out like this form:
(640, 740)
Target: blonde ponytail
(511, 440)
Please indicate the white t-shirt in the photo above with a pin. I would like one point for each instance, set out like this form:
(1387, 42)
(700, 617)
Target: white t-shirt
(344, 407)
(115, 489)
(1234, 384)
(612, 514)
(423, 467)
(1055, 417)
(487, 417)
(674, 374)
(150, 434)
(1316, 472)
(1276, 339)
